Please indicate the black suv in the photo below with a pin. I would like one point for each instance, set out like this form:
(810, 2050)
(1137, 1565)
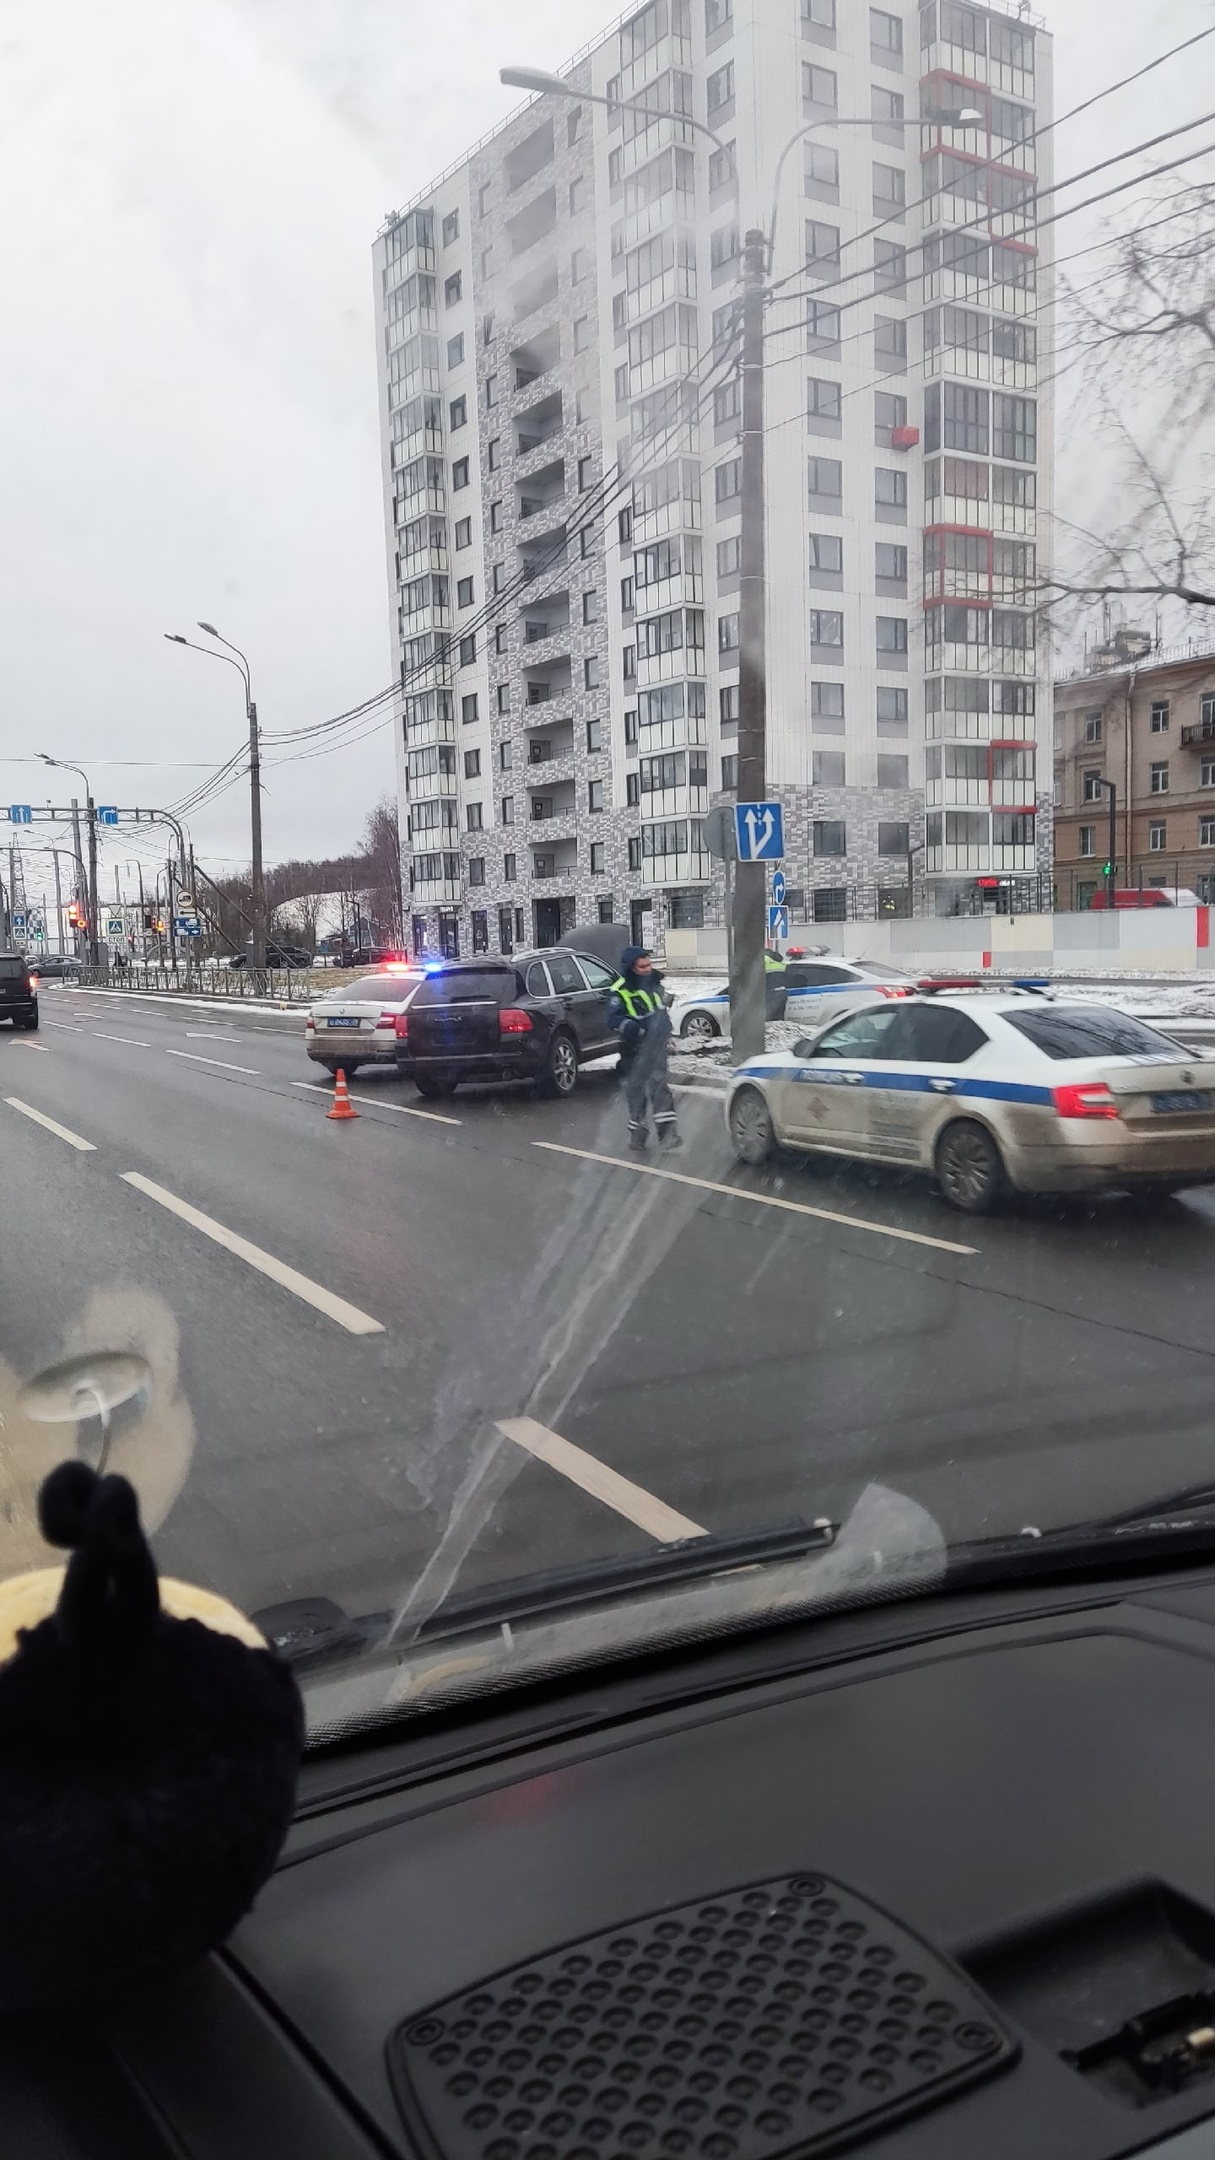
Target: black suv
(18, 996)
(531, 1018)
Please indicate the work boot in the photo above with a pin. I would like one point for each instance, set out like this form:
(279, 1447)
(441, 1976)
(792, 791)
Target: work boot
(669, 1139)
(639, 1139)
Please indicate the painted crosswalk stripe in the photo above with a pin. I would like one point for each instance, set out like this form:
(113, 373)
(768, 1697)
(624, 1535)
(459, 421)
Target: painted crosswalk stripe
(289, 1278)
(759, 1199)
(40, 1117)
(632, 1501)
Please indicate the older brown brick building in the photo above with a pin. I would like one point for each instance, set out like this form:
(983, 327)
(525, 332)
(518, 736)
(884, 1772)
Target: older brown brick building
(1145, 719)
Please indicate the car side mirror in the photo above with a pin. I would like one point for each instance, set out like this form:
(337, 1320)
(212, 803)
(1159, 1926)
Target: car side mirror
(804, 1048)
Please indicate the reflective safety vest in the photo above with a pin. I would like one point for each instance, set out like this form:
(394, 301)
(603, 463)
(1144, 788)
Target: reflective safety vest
(638, 1003)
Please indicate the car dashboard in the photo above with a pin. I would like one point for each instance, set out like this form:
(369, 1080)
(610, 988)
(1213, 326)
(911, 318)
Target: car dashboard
(923, 1879)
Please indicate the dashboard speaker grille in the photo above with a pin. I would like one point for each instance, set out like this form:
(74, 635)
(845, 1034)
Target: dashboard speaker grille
(779, 2019)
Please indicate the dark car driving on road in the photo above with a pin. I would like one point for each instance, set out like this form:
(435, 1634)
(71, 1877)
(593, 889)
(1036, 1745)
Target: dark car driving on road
(18, 992)
(534, 1017)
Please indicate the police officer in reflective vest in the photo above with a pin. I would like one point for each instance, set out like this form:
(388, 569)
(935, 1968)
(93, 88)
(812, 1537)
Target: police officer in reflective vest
(639, 1015)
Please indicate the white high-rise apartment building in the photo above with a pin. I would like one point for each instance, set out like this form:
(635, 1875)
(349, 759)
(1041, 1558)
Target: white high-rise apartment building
(559, 345)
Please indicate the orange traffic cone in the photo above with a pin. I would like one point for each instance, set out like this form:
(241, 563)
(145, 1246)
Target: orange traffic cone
(342, 1105)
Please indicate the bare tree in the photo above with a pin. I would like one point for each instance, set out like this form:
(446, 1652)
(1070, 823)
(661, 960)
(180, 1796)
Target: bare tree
(382, 863)
(1147, 349)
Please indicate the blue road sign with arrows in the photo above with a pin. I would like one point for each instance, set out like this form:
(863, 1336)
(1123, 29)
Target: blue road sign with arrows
(107, 814)
(778, 922)
(778, 888)
(760, 832)
(21, 813)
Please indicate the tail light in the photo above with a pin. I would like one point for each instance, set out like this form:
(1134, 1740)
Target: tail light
(512, 1021)
(310, 1025)
(893, 990)
(400, 1027)
(1086, 1099)
(387, 1020)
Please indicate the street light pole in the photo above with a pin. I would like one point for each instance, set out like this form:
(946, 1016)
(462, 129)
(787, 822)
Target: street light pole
(747, 990)
(1111, 875)
(257, 875)
(65, 765)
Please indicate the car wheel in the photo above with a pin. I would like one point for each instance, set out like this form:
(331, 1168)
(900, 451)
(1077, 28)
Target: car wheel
(751, 1131)
(559, 1073)
(698, 1027)
(30, 1023)
(436, 1087)
(970, 1168)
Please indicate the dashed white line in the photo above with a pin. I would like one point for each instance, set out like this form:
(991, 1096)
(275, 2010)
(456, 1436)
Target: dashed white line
(632, 1501)
(741, 1192)
(289, 1278)
(67, 1027)
(222, 1063)
(436, 1117)
(40, 1117)
(131, 1041)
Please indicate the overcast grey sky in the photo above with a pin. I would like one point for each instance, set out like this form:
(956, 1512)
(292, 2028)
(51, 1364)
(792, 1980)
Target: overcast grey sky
(191, 190)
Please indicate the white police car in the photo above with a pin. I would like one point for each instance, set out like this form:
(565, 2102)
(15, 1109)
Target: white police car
(815, 991)
(988, 1089)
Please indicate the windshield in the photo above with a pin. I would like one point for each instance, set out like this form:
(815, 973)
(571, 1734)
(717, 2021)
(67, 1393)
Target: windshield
(697, 1241)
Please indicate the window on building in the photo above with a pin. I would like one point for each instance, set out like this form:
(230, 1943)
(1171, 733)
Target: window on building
(463, 533)
(624, 526)
(727, 705)
(827, 768)
(890, 563)
(473, 815)
(590, 672)
(586, 473)
(1158, 777)
(586, 545)
(819, 13)
(468, 649)
(727, 481)
(483, 197)
(891, 634)
(453, 288)
(889, 266)
(831, 903)
(472, 764)
(893, 839)
(729, 773)
(826, 627)
(827, 552)
(1090, 787)
(596, 795)
(890, 488)
(825, 478)
(1206, 832)
(455, 350)
(891, 712)
(889, 342)
(823, 399)
(1014, 427)
(820, 86)
(579, 265)
(822, 326)
(721, 167)
(886, 107)
(1158, 719)
(487, 268)
(822, 166)
(457, 412)
(719, 90)
(1092, 727)
(630, 724)
(503, 697)
(822, 245)
(892, 771)
(885, 35)
(451, 227)
(464, 592)
(632, 789)
(459, 473)
(727, 634)
(582, 333)
(577, 196)
(590, 606)
(510, 863)
(723, 246)
(468, 709)
(726, 403)
(635, 851)
(573, 123)
(828, 836)
(598, 858)
(1088, 839)
(889, 190)
(827, 702)
(1157, 835)
(494, 453)
(501, 637)
(1206, 772)
(495, 517)
(505, 756)
(506, 810)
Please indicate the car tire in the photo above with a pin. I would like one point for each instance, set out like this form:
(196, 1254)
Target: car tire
(970, 1168)
(436, 1087)
(31, 1024)
(558, 1076)
(698, 1027)
(752, 1134)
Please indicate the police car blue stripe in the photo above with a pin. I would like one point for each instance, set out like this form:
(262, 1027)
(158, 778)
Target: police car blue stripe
(799, 990)
(907, 1083)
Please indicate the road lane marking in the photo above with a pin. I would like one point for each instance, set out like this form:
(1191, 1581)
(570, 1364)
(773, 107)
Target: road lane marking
(40, 1117)
(289, 1278)
(209, 1035)
(130, 1040)
(740, 1192)
(436, 1117)
(632, 1501)
(222, 1063)
(32, 1046)
(67, 1027)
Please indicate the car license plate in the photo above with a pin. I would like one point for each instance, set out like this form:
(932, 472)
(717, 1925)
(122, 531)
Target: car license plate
(1193, 1100)
(342, 1023)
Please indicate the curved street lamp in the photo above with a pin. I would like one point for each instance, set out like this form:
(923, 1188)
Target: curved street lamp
(257, 878)
(65, 765)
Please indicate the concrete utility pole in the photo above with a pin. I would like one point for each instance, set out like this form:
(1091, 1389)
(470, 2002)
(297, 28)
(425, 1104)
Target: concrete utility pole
(65, 765)
(747, 992)
(258, 882)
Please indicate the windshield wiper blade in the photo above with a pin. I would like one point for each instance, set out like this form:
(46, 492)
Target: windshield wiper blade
(1104, 1545)
(595, 1582)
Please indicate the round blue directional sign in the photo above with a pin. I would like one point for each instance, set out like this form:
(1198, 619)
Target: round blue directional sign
(778, 888)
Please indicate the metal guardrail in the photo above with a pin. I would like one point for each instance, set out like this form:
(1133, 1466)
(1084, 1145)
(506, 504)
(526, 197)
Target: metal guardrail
(287, 986)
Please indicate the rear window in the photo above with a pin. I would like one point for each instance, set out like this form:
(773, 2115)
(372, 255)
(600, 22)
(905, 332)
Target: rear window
(466, 988)
(388, 989)
(10, 969)
(1085, 1031)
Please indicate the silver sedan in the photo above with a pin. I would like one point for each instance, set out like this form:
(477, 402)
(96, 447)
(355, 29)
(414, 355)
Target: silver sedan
(356, 1024)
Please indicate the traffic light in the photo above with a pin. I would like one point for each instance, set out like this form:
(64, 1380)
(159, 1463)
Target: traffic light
(1106, 868)
(76, 915)
(149, 918)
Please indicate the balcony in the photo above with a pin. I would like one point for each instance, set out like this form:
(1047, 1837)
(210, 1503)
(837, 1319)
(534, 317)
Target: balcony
(1199, 731)
(550, 760)
(541, 423)
(535, 291)
(528, 158)
(561, 864)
